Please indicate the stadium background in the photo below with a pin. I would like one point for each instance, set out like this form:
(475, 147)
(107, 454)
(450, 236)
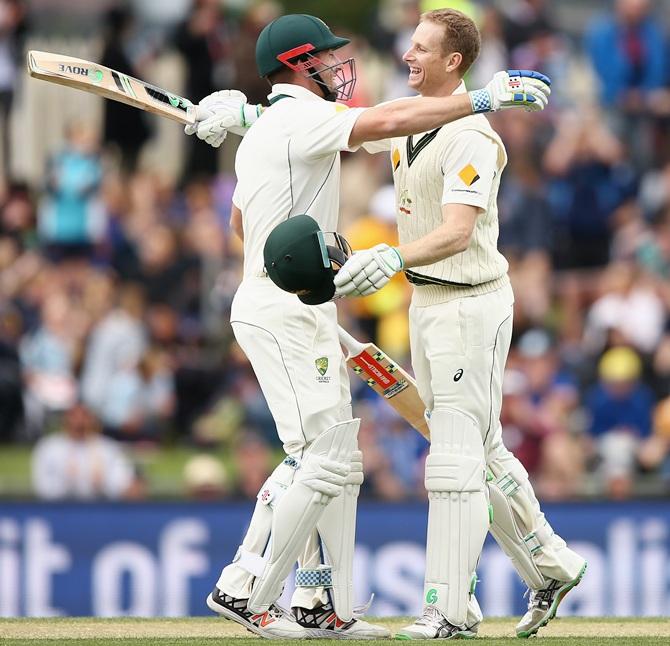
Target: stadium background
(117, 268)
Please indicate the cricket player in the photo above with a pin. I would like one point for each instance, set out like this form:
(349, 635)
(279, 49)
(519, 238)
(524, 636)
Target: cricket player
(288, 164)
(446, 183)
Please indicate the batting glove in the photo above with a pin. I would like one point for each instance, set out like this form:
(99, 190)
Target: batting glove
(220, 112)
(368, 271)
(513, 89)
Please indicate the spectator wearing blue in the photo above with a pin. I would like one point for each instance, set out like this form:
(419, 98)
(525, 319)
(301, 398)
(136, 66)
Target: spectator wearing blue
(628, 52)
(72, 218)
(627, 49)
(620, 408)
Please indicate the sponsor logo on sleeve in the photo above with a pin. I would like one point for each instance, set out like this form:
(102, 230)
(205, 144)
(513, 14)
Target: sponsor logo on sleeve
(468, 175)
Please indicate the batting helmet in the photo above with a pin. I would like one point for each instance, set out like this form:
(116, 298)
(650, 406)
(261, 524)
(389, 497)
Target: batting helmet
(302, 259)
(293, 41)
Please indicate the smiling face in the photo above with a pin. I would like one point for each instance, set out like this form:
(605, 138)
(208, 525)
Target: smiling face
(432, 72)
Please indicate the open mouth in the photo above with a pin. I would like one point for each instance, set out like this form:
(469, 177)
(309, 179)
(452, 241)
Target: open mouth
(414, 72)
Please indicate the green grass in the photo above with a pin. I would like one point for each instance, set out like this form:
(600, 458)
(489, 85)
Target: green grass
(209, 631)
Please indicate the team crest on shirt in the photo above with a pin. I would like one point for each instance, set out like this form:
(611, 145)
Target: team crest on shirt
(322, 368)
(405, 202)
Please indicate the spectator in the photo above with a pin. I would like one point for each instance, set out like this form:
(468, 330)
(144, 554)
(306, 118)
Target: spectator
(48, 362)
(628, 311)
(124, 127)
(627, 50)
(590, 177)
(205, 478)
(11, 397)
(117, 340)
(78, 463)
(620, 408)
(204, 41)
(13, 27)
(72, 219)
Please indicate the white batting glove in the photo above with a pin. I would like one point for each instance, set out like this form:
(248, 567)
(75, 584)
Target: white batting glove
(513, 89)
(368, 271)
(220, 112)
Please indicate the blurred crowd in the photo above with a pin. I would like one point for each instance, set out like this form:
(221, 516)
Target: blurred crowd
(116, 282)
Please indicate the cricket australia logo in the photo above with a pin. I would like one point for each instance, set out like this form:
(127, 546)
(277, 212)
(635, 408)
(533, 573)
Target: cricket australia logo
(322, 368)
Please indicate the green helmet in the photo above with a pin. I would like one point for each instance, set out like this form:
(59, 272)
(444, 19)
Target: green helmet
(295, 34)
(301, 259)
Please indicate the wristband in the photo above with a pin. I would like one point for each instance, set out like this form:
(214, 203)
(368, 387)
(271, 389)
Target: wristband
(481, 101)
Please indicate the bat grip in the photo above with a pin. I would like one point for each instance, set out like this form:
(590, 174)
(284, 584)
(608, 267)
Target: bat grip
(353, 346)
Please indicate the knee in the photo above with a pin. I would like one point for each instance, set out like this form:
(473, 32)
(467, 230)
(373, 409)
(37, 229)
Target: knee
(456, 459)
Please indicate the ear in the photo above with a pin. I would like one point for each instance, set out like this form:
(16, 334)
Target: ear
(453, 61)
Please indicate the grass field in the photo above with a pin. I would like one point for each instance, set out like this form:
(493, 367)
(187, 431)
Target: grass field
(208, 632)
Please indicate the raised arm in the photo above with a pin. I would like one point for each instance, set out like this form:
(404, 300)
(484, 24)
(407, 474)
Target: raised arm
(513, 88)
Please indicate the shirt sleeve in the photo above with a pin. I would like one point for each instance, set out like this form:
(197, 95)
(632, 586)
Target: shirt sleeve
(380, 146)
(236, 198)
(323, 128)
(469, 166)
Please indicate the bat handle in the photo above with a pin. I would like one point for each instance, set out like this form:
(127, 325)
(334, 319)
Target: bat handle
(353, 346)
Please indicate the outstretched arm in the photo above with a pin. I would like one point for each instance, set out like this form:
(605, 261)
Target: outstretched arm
(513, 88)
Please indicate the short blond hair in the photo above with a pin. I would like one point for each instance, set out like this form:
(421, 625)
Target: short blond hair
(460, 35)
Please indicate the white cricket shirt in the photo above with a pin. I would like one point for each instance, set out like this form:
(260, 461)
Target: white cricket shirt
(289, 163)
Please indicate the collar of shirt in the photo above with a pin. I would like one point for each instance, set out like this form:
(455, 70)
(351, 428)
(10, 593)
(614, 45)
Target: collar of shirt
(295, 91)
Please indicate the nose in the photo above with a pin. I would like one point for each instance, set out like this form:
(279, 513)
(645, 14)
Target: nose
(407, 56)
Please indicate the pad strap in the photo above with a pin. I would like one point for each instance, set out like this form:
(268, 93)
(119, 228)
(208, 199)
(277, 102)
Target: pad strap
(318, 577)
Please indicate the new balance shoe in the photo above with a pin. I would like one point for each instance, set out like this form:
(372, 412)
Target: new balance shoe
(543, 604)
(432, 624)
(323, 623)
(274, 623)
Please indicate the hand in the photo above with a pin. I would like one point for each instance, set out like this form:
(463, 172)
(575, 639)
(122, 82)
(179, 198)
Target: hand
(513, 89)
(368, 271)
(222, 111)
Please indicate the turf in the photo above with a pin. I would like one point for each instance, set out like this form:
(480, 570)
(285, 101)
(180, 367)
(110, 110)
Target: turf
(210, 631)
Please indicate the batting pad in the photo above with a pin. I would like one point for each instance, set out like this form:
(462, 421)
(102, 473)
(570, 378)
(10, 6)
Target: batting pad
(320, 478)
(337, 530)
(237, 578)
(522, 531)
(457, 512)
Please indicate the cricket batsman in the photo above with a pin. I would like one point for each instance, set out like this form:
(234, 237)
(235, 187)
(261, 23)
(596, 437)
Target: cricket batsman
(446, 183)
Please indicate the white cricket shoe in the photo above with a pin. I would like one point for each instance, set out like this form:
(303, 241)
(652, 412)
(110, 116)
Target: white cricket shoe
(543, 604)
(323, 623)
(432, 624)
(274, 623)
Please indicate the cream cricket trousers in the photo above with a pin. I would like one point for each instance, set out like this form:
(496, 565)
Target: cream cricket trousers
(459, 349)
(296, 355)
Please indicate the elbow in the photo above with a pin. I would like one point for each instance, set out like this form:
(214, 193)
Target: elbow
(463, 241)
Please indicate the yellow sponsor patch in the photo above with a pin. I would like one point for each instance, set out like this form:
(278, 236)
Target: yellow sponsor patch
(339, 107)
(468, 175)
(395, 158)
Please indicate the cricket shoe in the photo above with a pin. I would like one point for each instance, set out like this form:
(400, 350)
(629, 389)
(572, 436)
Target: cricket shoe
(432, 624)
(542, 605)
(323, 623)
(274, 623)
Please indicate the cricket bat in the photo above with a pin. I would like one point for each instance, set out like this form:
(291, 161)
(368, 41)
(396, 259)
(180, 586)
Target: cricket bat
(387, 379)
(108, 83)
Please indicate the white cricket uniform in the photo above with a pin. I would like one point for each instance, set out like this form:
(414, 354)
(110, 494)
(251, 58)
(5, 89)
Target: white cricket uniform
(298, 171)
(461, 327)
(289, 164)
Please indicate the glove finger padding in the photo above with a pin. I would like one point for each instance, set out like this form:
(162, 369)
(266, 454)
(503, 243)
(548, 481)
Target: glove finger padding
(223, 97)
(214, 127)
